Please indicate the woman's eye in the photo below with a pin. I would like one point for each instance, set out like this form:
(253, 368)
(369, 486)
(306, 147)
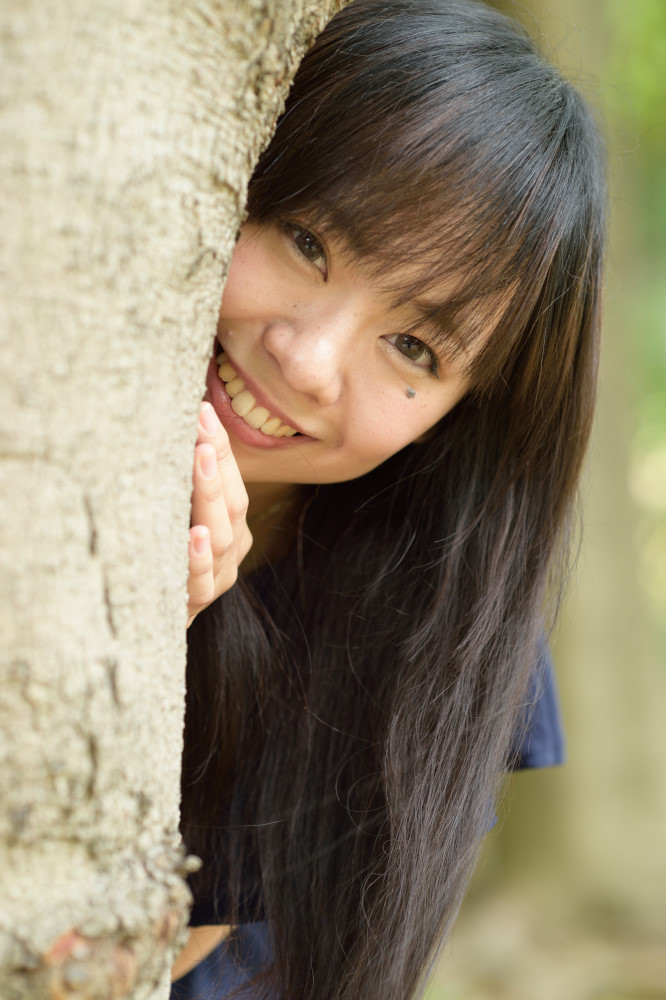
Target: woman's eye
(414, 350)
(309, 246)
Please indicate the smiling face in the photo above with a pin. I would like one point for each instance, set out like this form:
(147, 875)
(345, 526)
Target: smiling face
(314, 346)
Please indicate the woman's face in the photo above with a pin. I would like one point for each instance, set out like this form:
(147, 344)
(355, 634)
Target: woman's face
(315, 346)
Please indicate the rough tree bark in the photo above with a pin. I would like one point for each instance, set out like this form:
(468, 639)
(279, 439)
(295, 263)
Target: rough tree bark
(128, 130)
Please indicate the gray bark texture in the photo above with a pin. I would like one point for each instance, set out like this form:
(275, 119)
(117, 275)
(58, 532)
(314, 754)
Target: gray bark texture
(128, 131)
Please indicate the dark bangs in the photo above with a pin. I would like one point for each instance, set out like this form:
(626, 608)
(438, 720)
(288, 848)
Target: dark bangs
(459, 166)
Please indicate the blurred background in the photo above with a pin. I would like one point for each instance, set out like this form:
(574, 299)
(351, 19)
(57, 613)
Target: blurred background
(569, 902)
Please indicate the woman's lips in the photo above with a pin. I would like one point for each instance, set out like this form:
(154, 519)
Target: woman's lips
(245, 403)
(241, 409)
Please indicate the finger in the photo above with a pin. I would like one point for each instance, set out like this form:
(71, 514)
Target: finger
(233, 486)
(201, 582)
(226, 569)
(209, 504)
(245, 543)
(210, 429)
(212, 432)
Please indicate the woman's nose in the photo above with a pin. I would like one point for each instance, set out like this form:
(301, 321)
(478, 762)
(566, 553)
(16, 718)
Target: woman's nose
(311, 356)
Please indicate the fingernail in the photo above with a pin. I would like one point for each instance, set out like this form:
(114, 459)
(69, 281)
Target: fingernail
(200, 541)
(208, 419)
(208, 461)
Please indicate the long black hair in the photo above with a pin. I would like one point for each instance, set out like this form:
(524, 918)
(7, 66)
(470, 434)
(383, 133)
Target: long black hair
(350, 713)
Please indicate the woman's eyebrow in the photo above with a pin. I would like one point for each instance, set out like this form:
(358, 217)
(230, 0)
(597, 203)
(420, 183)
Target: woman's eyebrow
(429, 309)
(436, 315)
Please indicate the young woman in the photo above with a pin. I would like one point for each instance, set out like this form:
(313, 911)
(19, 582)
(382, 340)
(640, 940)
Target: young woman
(403, 382)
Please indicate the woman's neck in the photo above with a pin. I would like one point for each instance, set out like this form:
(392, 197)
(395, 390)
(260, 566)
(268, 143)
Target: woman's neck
(272, 518)
(263, 496)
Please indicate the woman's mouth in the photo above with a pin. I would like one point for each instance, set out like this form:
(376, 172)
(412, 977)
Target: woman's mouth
(244, 404)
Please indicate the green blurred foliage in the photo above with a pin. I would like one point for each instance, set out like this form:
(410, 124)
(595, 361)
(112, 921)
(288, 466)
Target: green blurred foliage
(636, 64)
(636, 107)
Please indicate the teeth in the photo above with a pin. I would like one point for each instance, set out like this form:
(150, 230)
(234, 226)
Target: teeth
(244, 404)
(257, 417)
(271, 425)
(235, 386)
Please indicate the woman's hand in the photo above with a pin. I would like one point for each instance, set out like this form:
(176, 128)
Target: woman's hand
(219, 537)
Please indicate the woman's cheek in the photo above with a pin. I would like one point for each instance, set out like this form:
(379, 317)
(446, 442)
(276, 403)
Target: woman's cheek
(381, 435)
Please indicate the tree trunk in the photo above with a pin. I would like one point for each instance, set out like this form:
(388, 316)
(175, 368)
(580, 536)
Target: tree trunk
(128, 131)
